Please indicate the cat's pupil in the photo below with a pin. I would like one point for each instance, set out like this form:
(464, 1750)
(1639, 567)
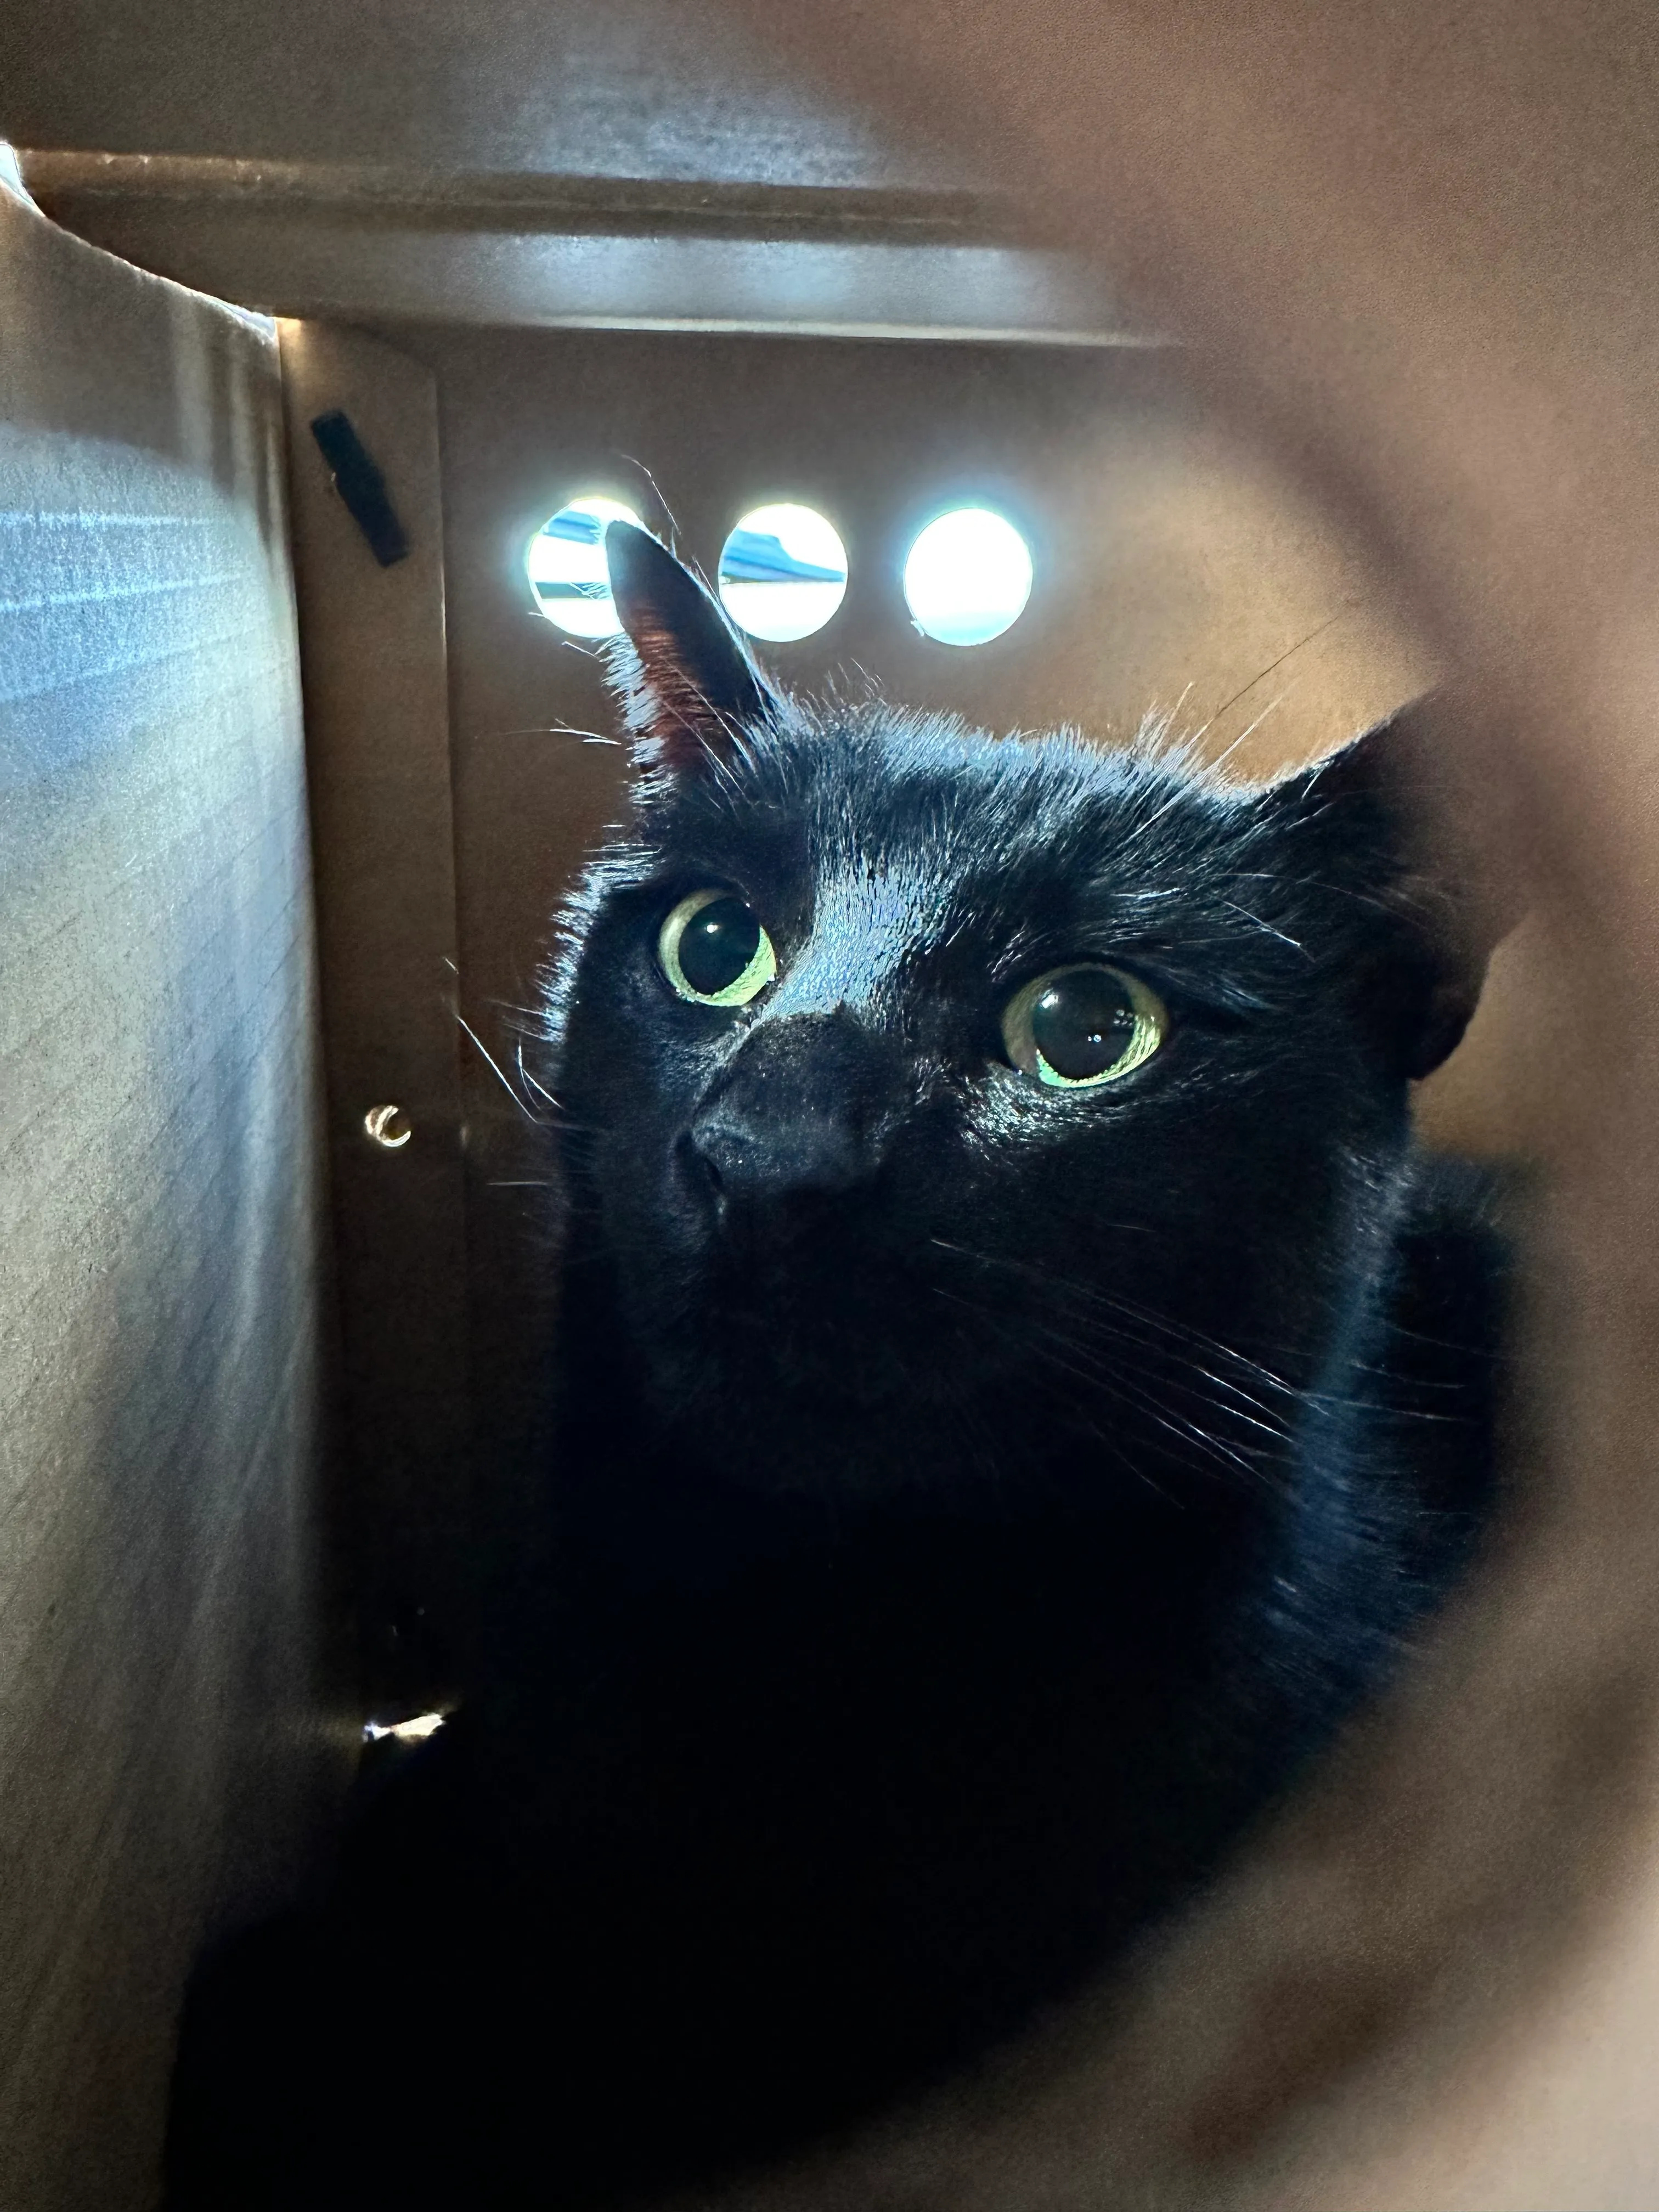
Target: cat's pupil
(720, 940)
(1082, 1023)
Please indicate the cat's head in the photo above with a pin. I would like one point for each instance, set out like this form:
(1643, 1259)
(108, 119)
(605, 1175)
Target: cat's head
(935, 1100)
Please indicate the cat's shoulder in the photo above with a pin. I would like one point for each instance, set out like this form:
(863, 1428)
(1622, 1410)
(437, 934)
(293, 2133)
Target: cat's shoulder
(1460, 1221)
(1450, 1313)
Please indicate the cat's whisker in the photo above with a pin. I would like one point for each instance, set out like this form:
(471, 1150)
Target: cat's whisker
(1079, 1360)
(1161, 1410)
(524, 1076)
(1258, 922)
(554, 729)
(1227, 706)
(1093, 1294)
(1250, 728)
(1227, 1399)
(658, 493)
(1178, 797)
(1184, 1333)
(991, 1324)
(1158, 1412)
(490, 1062)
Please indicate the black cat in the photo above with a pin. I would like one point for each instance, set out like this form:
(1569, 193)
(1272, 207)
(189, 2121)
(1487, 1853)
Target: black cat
(1019, 1385)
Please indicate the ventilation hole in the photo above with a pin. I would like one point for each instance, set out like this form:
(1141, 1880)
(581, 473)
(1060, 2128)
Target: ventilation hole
(782, 573)
(565, 563)
(968, 577)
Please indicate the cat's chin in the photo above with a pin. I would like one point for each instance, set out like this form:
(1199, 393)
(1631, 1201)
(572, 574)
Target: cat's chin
(802, 1363)
(836, 1459)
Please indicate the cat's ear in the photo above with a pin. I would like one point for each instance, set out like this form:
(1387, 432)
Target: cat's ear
(690, 684)
(1396, 834)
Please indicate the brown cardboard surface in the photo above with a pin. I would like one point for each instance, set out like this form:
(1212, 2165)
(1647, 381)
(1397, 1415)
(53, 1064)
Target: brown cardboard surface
(377, 737)
(164, 1745)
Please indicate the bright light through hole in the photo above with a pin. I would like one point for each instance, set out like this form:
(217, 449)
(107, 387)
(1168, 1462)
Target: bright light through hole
(783, 572)
(414, 1731)
(565, 562)
(968, 577)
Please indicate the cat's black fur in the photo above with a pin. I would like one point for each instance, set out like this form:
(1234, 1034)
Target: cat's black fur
(974, 1501)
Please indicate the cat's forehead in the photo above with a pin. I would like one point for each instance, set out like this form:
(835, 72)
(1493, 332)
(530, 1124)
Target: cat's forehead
(914, 825)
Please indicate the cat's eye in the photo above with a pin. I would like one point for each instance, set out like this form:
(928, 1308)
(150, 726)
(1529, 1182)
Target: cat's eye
(713, 951)
(1081, 1025)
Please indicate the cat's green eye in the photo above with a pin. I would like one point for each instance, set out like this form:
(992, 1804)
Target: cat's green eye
(713, 951)
(1078, 1026)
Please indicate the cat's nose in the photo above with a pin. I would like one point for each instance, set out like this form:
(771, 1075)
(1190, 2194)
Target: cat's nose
(801, 1115)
